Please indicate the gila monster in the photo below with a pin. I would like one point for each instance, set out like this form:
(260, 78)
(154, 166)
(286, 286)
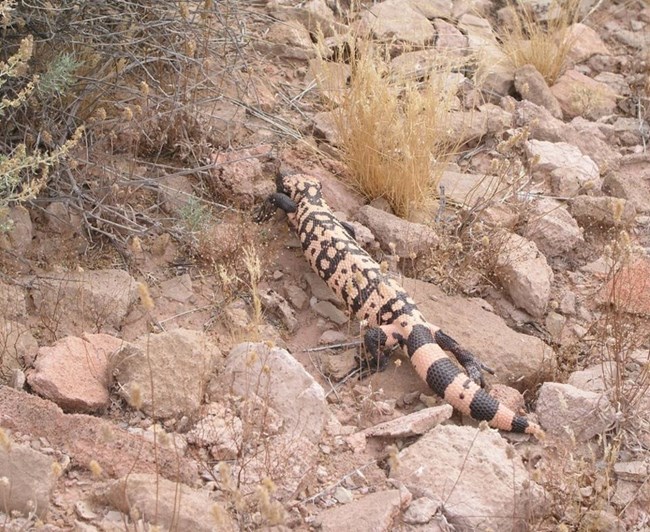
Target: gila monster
(392, 316)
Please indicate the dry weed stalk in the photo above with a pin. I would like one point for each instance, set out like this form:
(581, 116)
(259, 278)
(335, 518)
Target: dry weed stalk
(526, 39)
(393, 130)
(623, 333)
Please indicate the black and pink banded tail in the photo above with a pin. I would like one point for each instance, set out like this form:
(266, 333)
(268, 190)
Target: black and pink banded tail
(457, 388)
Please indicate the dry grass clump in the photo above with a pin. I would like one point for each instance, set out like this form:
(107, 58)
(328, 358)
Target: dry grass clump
(528, 40)
(393, 130)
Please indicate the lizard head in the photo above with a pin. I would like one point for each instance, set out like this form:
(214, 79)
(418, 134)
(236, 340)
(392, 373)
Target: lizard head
(299, 186)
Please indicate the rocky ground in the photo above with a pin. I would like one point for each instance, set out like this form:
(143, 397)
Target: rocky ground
(196, 379)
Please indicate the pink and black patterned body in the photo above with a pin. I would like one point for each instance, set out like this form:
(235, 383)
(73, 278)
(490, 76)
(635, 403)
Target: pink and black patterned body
(392, 316)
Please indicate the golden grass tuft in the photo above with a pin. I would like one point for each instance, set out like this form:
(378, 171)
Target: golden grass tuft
(527, 40)
(393, 129)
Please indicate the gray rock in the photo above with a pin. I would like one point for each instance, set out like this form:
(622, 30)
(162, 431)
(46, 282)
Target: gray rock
(555, 325)
(177, 364)
(635, 471)
(19, 235)
(410, 425)
(543, 126)
(631, 182)
(580, 95)
(219, 430)
(602, 211)
(62, 220)
(176, 193)
(332, 79)
(456, 464)
(449, 39)
(319, 288)
(29, 480)
(339, 365)
(568, 170)
(421, 511)
(273, 301)
(552, 228)
(377, 512)
(237, 173)
(343, 495)
(616, 82)
(597, 379)
(523, 271)
(567, 411)
(585, 42)
(418, 64)
(395, 19)
(407, 237)
(519, 360)
(468, 189)
(168, 504)
(278, 378)
(76, 302)
(633, 39)
(178, 288)
(325, 127)
(630, 131)
(602, 521)
(432, 8)
(532, 86)
(328, 311)
(296, 295)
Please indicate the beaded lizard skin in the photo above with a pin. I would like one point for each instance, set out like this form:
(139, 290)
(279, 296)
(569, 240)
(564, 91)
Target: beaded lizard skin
(392, 316)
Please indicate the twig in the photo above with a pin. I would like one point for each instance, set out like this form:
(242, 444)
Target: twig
(331, 346)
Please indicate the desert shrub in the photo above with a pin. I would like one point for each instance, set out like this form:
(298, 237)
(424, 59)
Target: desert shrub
(544, 42)
(134, 75)
(393, 129)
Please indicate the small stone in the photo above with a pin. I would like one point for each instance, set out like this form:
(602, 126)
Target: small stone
(296, 296)
(84, 510)
(636, 471)
(421, 510)
(325, 127)
(332, 337)
(277, 275)
(414, 424)
(532, 86)
(343, 495)
(555, 325)
(525, 274)
(568, 304)
(339, 365)
(319, 288)
(328, 311)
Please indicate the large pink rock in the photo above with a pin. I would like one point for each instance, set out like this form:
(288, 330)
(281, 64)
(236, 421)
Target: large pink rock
(74, 372)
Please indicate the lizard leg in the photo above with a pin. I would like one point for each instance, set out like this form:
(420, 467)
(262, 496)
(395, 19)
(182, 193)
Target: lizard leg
(377, 341)
(275, 201)
(349, 229)
(468, 360)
